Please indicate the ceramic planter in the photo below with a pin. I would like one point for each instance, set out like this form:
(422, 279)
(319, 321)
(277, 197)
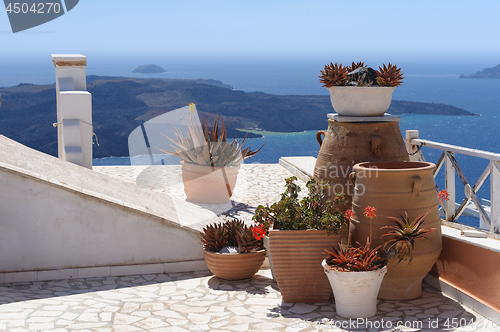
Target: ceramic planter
(355, 292)
(297, 256)
(348, 143)
(361, 100)
(394, 188)
(206, 184)
(234, 266)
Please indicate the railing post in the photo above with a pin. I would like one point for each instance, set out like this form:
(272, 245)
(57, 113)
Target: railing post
(450, 188)
(495, 197)
(411, 149)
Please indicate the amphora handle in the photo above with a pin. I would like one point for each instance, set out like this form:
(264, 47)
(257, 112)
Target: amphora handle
(416, 183)
(318, 136)
(352, 178)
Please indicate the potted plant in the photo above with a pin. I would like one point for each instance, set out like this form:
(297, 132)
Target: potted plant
(396, 187)
(355, 274)
(298, 228)
(231, 250)
(358, 90)
(209, 162)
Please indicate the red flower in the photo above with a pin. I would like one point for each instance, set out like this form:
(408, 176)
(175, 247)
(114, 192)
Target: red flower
(349, 214)
(443, 196)
(370, 212)
(259, 232)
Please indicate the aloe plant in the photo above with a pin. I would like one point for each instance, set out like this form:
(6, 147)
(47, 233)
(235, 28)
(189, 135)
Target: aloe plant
(230, 233)
(389, 75)
(403, 236)
(338, 75)
(208, 145)
(361, 258)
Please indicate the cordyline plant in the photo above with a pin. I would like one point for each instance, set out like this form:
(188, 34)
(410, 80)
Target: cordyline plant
(360, 258)
(208, 145)
(314, 211)
(230, 233)
(360, 75)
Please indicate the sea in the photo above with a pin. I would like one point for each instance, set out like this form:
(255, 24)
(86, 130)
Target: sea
(431, 77)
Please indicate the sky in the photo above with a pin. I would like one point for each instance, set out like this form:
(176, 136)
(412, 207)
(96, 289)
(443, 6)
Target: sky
(265, 26)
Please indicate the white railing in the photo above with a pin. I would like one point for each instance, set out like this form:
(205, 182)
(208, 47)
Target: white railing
(491, 218)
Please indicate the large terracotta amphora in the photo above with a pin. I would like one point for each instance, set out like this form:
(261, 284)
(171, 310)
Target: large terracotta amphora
(396, 188)
(349, 141)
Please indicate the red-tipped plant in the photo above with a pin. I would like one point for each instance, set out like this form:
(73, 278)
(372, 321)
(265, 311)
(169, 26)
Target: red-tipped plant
(404, 234)
(333, 74)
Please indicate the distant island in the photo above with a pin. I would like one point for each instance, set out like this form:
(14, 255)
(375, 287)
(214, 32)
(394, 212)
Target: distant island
(149, 69)
(493, 72)
(121, 104)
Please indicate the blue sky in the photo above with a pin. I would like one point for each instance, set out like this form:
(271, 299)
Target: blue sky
(270, 25)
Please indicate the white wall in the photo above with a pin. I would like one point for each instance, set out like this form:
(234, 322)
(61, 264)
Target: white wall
(55, 214)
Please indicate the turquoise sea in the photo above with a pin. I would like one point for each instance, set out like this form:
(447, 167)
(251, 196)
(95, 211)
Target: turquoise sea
(428, 78)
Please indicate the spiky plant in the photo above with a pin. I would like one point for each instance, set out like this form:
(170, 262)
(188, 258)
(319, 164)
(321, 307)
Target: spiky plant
(333, 74)
(229, 233)
(389, 75)
(354, 66)
(360, 258)
(403, 236)
(214, 237)
(208, 145)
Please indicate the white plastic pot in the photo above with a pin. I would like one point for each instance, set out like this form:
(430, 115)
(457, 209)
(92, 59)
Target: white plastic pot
(265, 239)
(355, 292)
(361, 100)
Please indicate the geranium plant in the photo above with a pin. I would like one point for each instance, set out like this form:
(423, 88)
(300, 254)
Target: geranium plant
(314, 211)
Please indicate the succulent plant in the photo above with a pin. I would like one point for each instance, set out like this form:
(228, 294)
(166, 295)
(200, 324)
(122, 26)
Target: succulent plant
(333, 74)
(360, 258)
(354, 66)
(214, 237)
(230, 233)
(390, 75)
(208, 145)
(403, 236)
(357, 74)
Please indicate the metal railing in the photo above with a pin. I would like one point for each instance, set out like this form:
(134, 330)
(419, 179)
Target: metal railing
(451, 167)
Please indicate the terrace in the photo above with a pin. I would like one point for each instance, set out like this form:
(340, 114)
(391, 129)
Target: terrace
(116, 248)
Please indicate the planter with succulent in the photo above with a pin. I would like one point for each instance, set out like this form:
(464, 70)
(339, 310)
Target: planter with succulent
(298, 230)
(355, 274)
(209, 162)
(231, 250)
(399, 188)
(358, 90)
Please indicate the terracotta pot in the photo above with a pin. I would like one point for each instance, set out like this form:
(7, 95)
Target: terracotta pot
(297, 256)
(361, 100)
(234, 266)
(205, 184)
(348, 143)
(355, 292)
(394, 188)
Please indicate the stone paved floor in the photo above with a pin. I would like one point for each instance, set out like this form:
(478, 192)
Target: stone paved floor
(198, 301)
(257, 184)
